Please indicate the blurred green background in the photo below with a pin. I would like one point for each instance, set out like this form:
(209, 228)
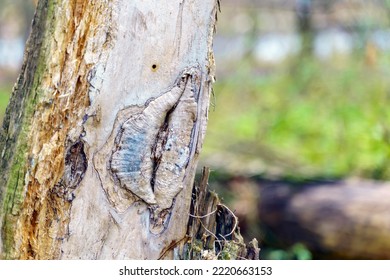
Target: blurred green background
(302, 92)
(286, 109)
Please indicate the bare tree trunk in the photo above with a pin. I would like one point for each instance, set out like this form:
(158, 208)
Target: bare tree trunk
(304, 24)
(101, 138)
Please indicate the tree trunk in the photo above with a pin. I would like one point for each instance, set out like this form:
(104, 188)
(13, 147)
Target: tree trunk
(102, 134)
(304, 24)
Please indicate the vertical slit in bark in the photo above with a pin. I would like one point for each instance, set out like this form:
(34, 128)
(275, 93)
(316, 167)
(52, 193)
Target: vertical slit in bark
(158, 146)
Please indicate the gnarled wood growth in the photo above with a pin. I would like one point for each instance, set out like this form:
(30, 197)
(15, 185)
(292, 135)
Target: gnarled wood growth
(101, 138)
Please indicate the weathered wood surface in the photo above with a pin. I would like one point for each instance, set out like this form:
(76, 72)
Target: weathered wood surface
(102, 135)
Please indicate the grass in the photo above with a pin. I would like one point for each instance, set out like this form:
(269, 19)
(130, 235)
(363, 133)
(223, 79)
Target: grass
(309, 118)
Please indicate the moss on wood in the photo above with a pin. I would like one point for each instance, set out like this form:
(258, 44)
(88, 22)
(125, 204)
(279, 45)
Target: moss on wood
(16, 127)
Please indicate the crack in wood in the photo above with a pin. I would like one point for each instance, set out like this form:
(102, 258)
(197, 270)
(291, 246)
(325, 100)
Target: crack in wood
(157, 148)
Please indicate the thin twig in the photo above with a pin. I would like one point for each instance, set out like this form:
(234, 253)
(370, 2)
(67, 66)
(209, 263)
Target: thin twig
(204, 216)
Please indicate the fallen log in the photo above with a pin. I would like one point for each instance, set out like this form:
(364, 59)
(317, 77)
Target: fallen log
(347, 219)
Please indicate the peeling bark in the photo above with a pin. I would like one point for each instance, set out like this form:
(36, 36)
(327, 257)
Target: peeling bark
(101, 138)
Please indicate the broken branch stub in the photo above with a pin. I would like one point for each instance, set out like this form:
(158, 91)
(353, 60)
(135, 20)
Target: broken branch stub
(213, 229)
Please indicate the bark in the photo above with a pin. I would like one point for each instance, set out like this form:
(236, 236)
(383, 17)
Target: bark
(102, 134)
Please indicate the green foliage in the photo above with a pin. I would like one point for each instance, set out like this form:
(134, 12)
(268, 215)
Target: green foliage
(4, 98)
(310, 117)
(296, 252)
